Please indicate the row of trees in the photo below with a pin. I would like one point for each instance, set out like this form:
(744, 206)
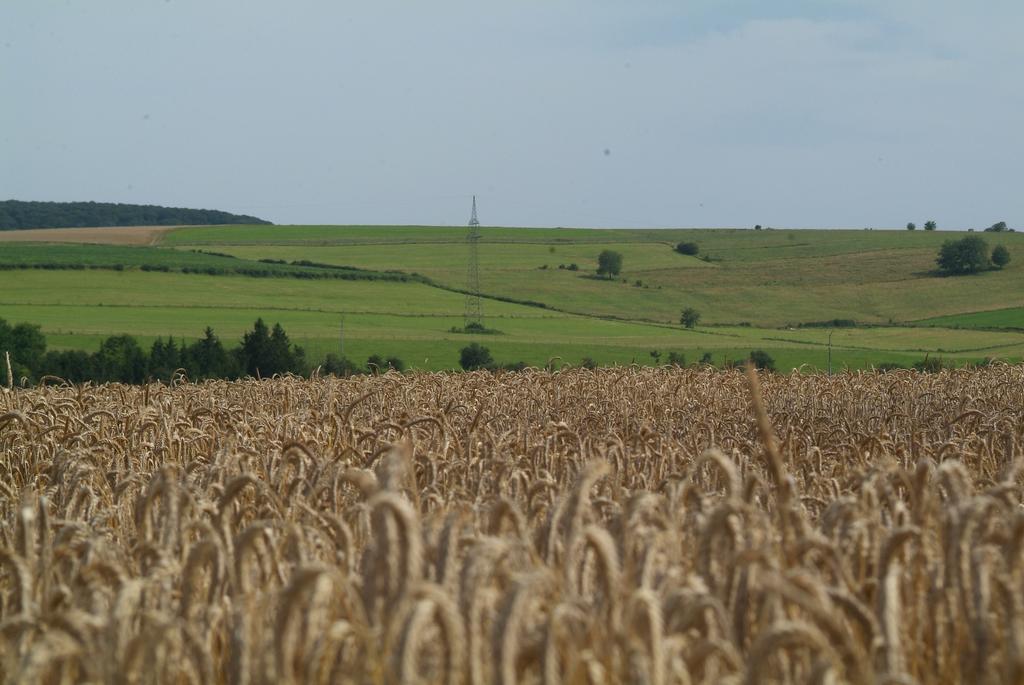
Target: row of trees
(16, 214)
(264, 351)
(930, 225)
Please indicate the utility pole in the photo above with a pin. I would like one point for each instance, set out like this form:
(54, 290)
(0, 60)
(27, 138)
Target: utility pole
(830, 352)
(474, 315)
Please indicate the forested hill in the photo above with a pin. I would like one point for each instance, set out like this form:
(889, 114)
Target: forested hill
(15, 214)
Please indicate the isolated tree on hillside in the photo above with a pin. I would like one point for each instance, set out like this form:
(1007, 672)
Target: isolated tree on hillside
(965, 256)
(1000, 256)
(911, 226)
(689, 317)
(930, 225)
(609, 263)
(998, 227)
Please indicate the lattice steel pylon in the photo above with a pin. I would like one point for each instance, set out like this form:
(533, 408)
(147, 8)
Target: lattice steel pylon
(474, 316)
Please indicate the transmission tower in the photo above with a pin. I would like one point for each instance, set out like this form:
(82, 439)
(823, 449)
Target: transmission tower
(474, 311)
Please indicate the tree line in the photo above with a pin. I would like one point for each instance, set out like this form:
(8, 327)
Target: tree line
(263, 351)
(17, 214)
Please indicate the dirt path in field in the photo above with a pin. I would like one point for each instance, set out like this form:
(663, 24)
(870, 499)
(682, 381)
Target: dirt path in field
(113, 235)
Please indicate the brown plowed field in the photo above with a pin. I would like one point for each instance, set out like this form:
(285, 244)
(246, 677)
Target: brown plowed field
(113, 235)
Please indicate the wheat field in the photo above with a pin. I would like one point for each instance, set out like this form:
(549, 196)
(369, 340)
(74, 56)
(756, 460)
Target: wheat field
(610, 526)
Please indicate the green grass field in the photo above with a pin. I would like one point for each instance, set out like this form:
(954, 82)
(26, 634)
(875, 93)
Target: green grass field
(774, 280)
(1009, 319)
(766, 278)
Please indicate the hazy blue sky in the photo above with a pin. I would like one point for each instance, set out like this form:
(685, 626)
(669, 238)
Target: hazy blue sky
(554, 112)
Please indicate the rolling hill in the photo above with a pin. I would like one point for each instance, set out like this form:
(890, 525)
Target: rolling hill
(767, 290)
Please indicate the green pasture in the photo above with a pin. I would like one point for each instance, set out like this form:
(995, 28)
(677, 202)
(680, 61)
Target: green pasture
(1012, 318)
(86, 256)
(413, 321)
(766, 278)
(770, 280)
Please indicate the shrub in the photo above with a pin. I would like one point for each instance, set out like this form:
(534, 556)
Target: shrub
(687, 248)
(475, 356)
(930, 225)
(376, 364)
(930, 365)
(911, 226)
(762, 360)
(1000, 256)
(831, 323)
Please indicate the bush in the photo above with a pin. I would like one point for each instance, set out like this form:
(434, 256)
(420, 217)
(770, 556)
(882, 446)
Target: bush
(831, 323)
(687, 248)
(930, 225)
(930, 365)
(762, 360)
(335, 365)
(375, 364)
(689, 317)
(998, 227)
(475, 356)
(965, 256)
(1000, 256)
(911, 226)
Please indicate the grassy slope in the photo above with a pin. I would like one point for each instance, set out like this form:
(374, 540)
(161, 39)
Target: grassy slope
(34, 254)
(768, 278)
(78, 309)
(1012, 318)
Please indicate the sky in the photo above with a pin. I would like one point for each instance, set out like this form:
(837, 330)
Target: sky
(638, 113)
